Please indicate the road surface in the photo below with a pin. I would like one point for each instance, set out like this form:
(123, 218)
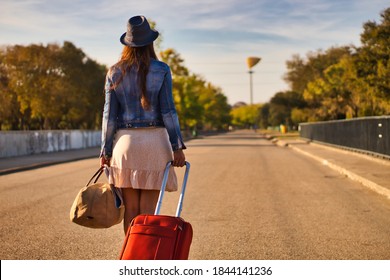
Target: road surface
(246, 198)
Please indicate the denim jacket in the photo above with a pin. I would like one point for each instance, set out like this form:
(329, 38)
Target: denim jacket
(123, 109)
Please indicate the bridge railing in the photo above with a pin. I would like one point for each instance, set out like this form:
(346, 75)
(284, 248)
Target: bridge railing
(370, 134)
(20, 143)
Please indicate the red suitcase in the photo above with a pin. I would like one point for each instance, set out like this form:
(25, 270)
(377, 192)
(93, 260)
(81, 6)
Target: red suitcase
(159, 237)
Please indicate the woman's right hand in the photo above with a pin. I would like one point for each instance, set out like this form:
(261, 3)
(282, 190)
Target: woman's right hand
(179, 159)
(104, 161)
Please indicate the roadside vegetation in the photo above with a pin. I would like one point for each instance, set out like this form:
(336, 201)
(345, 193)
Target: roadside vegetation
(60, 87)
(337, 83)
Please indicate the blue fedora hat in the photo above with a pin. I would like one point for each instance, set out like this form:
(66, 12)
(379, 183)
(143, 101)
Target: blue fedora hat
(138, 33)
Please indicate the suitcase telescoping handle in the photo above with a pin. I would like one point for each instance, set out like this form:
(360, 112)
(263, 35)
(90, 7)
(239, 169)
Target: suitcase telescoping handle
(163, 185)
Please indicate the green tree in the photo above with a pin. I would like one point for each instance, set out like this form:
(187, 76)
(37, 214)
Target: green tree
(318, 82)
(175, 62)
(199, 104)
(9, 109)
(281, 105)
(51, 87)
(245, 116)
(83, 81)
(216, 113)
(298, 73)
(264, 115)
(302, 71)
(186, 96)
(341, 82)
(29, 77)
(373, 65)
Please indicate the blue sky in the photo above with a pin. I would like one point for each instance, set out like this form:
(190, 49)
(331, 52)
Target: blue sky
(213, 37)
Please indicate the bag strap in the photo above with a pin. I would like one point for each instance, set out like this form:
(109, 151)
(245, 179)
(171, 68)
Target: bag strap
(97, 175)
(116, 191)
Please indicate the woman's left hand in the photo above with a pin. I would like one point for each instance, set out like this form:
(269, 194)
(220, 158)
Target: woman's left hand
(179, 159)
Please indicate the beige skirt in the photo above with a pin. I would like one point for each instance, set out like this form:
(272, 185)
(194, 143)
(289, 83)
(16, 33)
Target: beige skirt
(139, 158)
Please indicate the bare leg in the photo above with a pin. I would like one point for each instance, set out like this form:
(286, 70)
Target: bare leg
(131, 200)
(148, 201)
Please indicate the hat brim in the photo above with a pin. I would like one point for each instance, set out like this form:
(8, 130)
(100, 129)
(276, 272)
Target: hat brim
(150, 39)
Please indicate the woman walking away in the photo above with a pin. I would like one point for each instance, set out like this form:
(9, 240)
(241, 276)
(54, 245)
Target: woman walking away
(140, 130)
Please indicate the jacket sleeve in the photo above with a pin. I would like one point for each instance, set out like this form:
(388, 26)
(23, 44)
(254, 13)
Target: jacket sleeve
(110, 112)
(169, 114)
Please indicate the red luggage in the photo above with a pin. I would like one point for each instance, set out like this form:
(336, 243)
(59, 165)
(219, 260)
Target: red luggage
(159, 237)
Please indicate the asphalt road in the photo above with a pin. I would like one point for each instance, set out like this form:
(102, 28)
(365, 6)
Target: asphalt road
(246, 199)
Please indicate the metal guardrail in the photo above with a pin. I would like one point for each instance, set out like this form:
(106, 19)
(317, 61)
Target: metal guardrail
(369, 134)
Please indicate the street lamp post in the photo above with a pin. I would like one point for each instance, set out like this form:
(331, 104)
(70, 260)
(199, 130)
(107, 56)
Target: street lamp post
(251, 61)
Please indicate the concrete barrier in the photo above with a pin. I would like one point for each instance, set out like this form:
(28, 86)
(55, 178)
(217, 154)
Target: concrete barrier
(20, 143)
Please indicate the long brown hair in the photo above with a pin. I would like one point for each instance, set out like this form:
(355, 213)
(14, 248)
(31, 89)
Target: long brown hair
(139, 58)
